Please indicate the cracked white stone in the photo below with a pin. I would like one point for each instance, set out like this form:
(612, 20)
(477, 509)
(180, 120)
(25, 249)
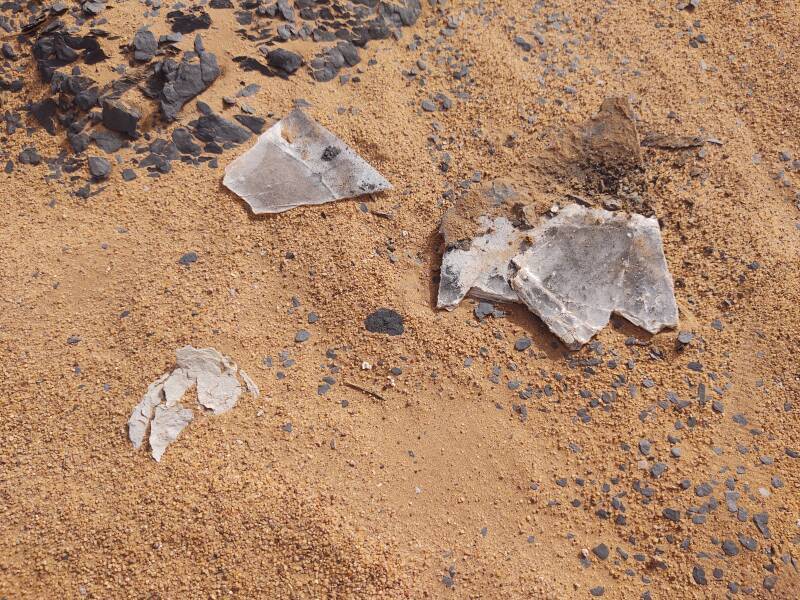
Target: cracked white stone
(483, 270)
(585, 264)
(218, 389)
(298, 162)
(573, 271)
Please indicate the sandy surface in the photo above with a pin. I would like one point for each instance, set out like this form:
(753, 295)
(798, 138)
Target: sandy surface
(441, 489)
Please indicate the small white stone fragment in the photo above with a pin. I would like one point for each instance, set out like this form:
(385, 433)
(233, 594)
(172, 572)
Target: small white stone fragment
(167, 424)
(143, 412)
(298, 162)
(249, 384)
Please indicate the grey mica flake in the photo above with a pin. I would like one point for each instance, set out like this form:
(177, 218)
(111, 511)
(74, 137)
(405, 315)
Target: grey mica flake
(287, 168)
(586, 264)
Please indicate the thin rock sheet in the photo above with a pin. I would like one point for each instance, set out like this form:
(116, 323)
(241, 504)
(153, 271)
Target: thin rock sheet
(586, 264)
(484, 269)
(573, 271)
(482, 232)
(298, 162)
(218, 389)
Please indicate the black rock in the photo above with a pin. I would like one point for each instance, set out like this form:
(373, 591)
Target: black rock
(221, 4)
(188, 258)
(119, 117)
(254, 124)
(87, 99)
(522, 343)
(177, 83)
(78, 141)
(761, 520)
(213, 128)
(188, 22)
(385, 320)
(107, 141)
(182, 139)
(699, 576)
(128, 175)
(29, 156)
(671, 514)
(9, 52)
(330, 153)
(44, 112)
(284, 60)
(730, 548)
(601, 551)
(144, 45)
(99, 168)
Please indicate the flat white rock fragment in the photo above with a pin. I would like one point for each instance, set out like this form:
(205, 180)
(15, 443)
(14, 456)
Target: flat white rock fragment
(165, 427)
(484, 269)
(298, 162)
(218, 389)
(143, 412)
(585, 264)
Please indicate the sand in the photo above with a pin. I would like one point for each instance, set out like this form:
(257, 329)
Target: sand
(440, 489)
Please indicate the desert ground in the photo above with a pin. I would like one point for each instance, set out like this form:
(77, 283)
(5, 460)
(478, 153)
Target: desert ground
(442, 462)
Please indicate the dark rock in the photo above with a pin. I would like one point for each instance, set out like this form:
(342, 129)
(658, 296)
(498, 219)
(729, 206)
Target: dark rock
(730, 548)
(284, 60)
(188, 22)
(254, 124)
(44, 112)
(522, 343)
(761, 521)
(699, 575)
(330, 153)
(78, 142)
(120, 117)
(302, 336)
(128, 175)
(188, 258)
(213, 128)
(29, 156)
(99, 168)
(9, 52)
(87, 99)
(671, 514)
(107, 141)
(221, 4)
(601, 551)
(144, 45)
(385, 320)
(182, 139)
(177, 83)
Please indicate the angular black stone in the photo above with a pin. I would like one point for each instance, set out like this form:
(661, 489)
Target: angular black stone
(99, 168)
(182, 139)
(213, 128)
(44, 112)
(180, 82)
(188, 22)
(144, 45)
(284, 60)
(120, 117)
(254, 124)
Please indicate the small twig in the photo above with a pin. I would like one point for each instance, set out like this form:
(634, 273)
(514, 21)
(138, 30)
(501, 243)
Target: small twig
(365, 390)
